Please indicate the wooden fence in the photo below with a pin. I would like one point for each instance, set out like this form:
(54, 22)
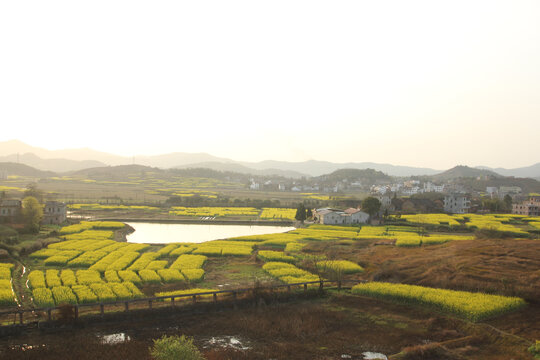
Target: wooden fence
(22, 316)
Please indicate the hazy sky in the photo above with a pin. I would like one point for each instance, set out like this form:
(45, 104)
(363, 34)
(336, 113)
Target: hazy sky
(422, 83)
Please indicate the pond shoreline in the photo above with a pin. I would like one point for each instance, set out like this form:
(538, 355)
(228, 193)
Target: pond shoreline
(156, 232)
(200, 221)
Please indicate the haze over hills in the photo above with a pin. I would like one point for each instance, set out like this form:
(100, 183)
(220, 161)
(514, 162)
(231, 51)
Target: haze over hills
(78, 159)
(532, 171)
(56, 165)
(476, 179)
(9, 168)
(462, 171)
(239, 168)
(318, 168)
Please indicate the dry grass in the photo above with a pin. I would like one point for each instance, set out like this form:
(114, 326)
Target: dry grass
(507, 267)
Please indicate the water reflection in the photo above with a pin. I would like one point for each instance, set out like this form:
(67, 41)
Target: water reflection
(373, 356)
(155, 233)
(113, 339)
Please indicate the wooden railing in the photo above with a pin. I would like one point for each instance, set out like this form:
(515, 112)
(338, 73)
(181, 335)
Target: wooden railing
(18, 316)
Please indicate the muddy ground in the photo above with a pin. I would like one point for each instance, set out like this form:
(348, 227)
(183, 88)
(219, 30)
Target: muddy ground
(326, 327)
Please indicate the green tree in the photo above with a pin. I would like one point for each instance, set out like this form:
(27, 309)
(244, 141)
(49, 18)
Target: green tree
(309, 213)
(175, 348)
(300, 213)
(493, 205)
(32, 213)
(508, 202)
(371, 205)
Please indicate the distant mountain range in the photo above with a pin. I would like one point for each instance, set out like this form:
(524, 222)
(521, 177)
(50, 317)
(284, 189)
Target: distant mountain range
(69, 160)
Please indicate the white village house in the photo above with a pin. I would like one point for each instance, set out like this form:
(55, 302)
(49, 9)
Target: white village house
(330, 216)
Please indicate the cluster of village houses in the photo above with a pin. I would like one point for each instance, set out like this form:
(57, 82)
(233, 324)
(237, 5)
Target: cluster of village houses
(457, 203)
(453, 203)
(404, 188)
(54, 212)
(409, 187)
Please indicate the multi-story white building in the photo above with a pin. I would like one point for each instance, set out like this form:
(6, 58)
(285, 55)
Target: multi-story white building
(457, 203)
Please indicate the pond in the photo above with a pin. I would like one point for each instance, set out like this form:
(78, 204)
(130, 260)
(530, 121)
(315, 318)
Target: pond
(157, 233)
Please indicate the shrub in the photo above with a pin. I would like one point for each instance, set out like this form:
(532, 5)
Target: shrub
(43, 253)
(174, 347)
(236, 250)
(103, 292)
(63, 295)
(85, 277)
(186, 292)
(84, 294)
(208, 250)
(91, 235)
(68, 277)
(157, 265)
(121, 291)
(136, 247)
(181, 250)
(6, 297)
(124, 261)
(289, 273)
(277, 265)
(535, 349)
(104, 263)
(472, 306)
(171, 275)
(135, 292)
(43, 297)
(57, 260)
(36, 278)
(129, 275)
(149, 276)
(166, 250)
(112, 276)
(88, 258)
(278, 213)
(5, 273)
(189, 262)
(344, 266)
(193, 275)
(52, 278)
(143, 261)
(269, 255)
(294, 246)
